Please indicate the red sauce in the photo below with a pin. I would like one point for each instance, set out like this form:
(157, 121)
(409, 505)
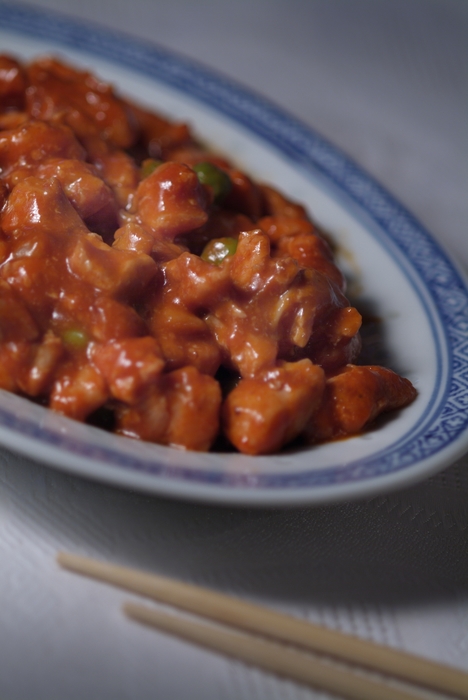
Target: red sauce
(142, 276)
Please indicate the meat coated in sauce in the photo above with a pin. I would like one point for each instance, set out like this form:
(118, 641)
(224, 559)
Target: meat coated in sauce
(147, 278)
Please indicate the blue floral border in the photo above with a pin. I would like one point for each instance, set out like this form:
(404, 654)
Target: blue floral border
(447, 417)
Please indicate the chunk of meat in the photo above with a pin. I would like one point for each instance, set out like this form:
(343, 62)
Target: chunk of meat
(281, 225)
(354, 397)
(158, 135)
(86, 191)
(194, 402)
(12, 120)
(297, 238)
(311, 251)
(176, 313)
(171, 201)
(181, 411)
(16, 322)
(12, 84)
(130, 366)
(45, 361)
(265, 412)
(3, 198)
(337, 341)
(133, 236)
(37, 284)
(41, 225)
(274, 303)
(78, 391)
(276, 204)
(120, 273)
(97, 316)
(192, 154)
(14, 364)
(146, 420)
(184, 338)
(195, 283)
(24, 148)
(245, 196)
(39, 208)
(120, 172)
(89, 104)
(277, 311)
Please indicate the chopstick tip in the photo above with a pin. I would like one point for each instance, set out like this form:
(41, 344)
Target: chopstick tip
(61, 558)
(65, 559)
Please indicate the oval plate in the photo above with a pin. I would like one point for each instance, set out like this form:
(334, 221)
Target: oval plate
(398, 273)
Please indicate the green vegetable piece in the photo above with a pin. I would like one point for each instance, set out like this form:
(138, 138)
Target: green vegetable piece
(214, 177)
(218, 249)
(77, 339)
(149, 166)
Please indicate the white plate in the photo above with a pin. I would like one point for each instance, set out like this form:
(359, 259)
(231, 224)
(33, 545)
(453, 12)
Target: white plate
(408, 281)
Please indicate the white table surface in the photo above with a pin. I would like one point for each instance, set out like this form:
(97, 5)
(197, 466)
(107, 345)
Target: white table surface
(387, 82)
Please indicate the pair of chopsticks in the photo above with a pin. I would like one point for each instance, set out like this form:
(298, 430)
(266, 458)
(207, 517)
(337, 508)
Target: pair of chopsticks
(265, 625)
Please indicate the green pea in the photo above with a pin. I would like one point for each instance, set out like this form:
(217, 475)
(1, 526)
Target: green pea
(218, 249)
(214, 177)
(77, 339)
(149, 166)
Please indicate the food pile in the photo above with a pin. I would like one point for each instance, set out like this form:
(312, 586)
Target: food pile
(152, 288)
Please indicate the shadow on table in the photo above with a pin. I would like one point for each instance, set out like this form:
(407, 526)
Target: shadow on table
(408, 547)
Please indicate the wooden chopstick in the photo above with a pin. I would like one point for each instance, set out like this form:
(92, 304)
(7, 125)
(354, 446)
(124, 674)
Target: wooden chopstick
(263, 621)
(270, 656)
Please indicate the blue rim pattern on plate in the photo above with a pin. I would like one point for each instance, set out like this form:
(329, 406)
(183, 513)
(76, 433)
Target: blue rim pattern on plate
(446, 416)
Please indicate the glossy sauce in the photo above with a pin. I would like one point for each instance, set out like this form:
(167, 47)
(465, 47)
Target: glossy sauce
(110, 299)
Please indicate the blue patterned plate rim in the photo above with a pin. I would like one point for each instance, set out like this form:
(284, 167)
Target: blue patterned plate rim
(440, 434)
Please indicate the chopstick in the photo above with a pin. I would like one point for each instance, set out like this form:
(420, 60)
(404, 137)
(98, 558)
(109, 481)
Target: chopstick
(263, 621)
(270, 656)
